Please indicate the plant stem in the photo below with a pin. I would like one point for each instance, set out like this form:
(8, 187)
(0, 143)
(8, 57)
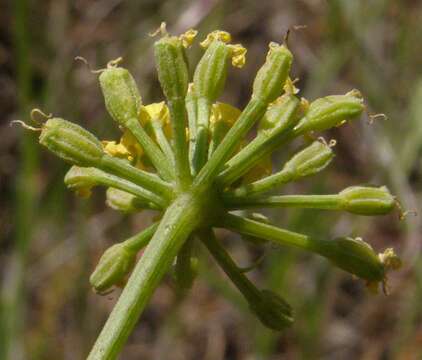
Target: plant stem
(164, 144)
(138, 241)
(178, 222)
(142, 178)
(324, 202)
(200, 151)
(262, 185)
(253, 111)
(250, 155)
(153, 152)
(246, 287)
(181, 158)
(184, 272)
(100, 177)
(270, 232)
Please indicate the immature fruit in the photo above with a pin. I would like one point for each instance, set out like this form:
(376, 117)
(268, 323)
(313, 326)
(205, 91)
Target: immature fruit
(116, 262)
(172, 67)
(211, 71)
(364, 200)
(270, 79)
(121, 94)
(272, 310)
(309, 161)
(71, 142)
(356, 257)
(331, 111)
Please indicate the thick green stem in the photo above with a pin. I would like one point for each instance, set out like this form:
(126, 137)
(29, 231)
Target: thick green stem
(324, 202)
(180, 147)
(253, 111)
(151, 149)
(142, 178)
(178, 222)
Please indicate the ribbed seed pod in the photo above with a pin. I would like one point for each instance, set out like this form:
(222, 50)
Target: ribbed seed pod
(331, 111)
(121, 95)
(365, 200)
(270, 79)
(211, 72)
(280, 115)
(309, 161)
(114, 265)
(123, 201)
(171, 67)
(71, 142)
(272, 310)
(354, 256)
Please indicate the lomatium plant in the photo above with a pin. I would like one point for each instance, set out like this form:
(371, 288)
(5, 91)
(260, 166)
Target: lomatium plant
(187, 158)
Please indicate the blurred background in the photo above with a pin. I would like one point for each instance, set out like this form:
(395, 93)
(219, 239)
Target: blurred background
(50, 240)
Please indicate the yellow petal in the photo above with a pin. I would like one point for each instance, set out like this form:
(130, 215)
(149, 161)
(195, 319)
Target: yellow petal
(115, 149)
(225, 113)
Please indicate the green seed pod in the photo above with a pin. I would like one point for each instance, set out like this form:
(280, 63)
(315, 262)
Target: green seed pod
(171, 67)
(354, 256)
(309, 161)
(123, 201)
(114, 265)
(121, 94)
(81, 177)
(270, 78)
(272, 310)
(364, 200)
(331, 111)
(211, 72)
(280, 115)
(71, 142)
